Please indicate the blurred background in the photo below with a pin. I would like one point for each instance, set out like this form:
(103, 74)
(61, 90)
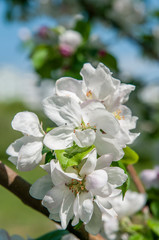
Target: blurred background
(43, 40)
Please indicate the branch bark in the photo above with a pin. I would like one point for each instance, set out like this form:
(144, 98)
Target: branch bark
(136, 178)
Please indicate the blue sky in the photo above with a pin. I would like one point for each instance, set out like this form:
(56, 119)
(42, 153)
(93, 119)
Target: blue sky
(126, 52)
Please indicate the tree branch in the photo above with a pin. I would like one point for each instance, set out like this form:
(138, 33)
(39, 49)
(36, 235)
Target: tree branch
(136, 178)
(18, 186)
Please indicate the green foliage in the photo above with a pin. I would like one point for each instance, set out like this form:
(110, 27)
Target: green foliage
(154, 206)
(154, 225)
(139, 236)
(55, 235)
(84, 28)
(72, 156)
(39, 57)
(130, 157)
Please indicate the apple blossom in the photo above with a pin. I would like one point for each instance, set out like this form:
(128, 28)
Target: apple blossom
(132, 203)
(26, 152)
(83, 194)
(150, 178)
(98, 84)
(85, 125)
(69, 41)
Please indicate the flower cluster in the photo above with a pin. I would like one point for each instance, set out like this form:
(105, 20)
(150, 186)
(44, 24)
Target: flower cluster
(93, 127)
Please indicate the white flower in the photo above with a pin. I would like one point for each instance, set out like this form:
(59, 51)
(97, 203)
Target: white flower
(98, 84)
(70, 38)
(5, 236)
(150, 178)
(132, 203)
(26, 152)
(86, 125)
(83, 195)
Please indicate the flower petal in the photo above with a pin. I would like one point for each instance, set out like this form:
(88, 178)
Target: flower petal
(104, 161)
(97, 179)
(90, 163)
(66, 211)
(94, 225)
(116, 176)
(62, 110)
(86, 210)
(105, 145)
(39, 189)
(29, 155)
(27, 123)
(67, 86)
(84, 138)
(59, 138)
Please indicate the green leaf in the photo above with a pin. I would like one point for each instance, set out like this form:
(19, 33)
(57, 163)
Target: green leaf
(49, 156)
(45, 150)
(138, 237)
(72, 156)
(130, 157)
(39, 57)
(55, 235)
(154, 206)
(154, 225)
(78, 226)
(84, 28)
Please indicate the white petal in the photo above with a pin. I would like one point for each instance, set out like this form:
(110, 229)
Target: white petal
(59, 138)
(86, 210)
(67, 86)
(96, 179)
(104, 161)
(62, 110)
(39, 189)
(27, 123)
(76, 210)
(98, 81)
(55, 217)
(106, 208)
(104, 191)
(13, 160)
(15, 147)
(29, 155)
(90, 163)
(53, 198)
(116, 176)
(105, 145)
(66, 211)
(84, 138)
(94, 225)
(59, 176)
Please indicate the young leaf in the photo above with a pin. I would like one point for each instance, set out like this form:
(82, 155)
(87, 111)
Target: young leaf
(55, 235)
(154, 206)
(130, 157)
(72, 156)
(154, 225)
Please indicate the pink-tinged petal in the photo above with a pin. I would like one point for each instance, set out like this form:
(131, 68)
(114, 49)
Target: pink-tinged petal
(62, 110)
(71, 87)
(59, 138)
(90, 163)
(84, 138)
(27, 123)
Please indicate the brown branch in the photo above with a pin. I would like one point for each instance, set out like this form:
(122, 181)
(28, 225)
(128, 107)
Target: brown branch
(18, 186)
(136, 178)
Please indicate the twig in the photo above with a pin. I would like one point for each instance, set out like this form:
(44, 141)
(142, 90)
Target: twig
(136, 178)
